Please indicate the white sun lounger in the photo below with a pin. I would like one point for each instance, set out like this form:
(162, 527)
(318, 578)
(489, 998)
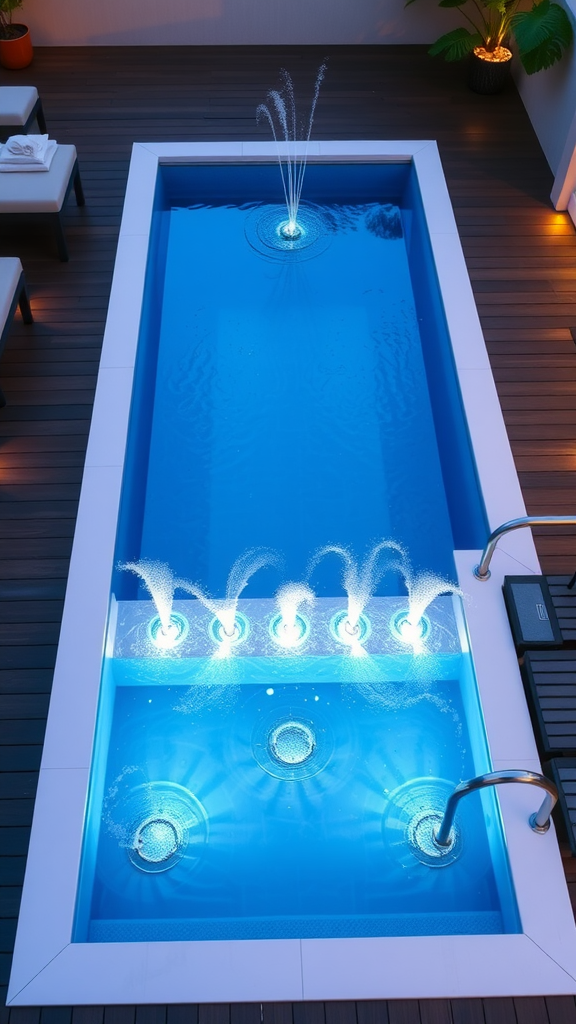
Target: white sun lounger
(29, 196)
(12, 294)
(20, 106)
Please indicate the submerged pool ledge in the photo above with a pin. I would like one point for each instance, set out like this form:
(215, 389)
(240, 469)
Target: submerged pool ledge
(50, 969)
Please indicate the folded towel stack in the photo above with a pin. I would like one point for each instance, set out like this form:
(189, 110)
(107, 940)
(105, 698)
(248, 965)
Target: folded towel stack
(27, 153)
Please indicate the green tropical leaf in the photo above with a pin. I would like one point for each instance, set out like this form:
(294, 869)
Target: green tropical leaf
(541, 35)
(456, 44)
(496, 5)
(452, 3)
(541, 57)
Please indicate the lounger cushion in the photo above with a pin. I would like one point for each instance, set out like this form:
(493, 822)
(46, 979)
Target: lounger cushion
(10, 270)
(40, 192)
(16, 103)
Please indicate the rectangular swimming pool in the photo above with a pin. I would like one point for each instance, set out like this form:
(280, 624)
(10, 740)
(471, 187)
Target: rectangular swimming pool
(269, 768)
(291, 408)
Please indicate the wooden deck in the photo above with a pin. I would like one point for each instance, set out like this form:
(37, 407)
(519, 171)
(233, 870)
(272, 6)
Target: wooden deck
(522, 260)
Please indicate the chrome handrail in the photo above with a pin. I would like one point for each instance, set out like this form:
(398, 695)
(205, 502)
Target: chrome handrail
(539, 822)
(482, 570)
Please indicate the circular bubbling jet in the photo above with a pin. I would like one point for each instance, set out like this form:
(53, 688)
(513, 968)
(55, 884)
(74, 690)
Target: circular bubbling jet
(292, 742)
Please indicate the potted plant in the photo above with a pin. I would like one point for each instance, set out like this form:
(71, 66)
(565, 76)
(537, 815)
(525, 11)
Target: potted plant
(540, 33)
(15, 43)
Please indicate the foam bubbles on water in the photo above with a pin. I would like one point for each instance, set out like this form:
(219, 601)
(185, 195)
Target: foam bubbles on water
(158, 823)
(412, 818)
(264, 233)
(292, 744)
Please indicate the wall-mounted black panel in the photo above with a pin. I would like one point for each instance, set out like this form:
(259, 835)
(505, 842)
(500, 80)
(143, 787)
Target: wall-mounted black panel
(531, 612)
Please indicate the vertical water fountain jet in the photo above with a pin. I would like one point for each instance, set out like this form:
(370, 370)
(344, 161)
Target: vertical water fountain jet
(280, 113)
(412, 625)
(290, 628)
(230, 626)
(359, 581)
(168, 628)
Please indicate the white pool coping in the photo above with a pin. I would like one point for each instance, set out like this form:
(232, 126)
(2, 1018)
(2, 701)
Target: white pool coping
(48, 969)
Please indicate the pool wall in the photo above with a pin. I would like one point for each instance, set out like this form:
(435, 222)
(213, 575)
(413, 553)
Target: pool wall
(48, 969)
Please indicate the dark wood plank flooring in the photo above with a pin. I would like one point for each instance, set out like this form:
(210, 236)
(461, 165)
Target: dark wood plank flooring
(522, 260)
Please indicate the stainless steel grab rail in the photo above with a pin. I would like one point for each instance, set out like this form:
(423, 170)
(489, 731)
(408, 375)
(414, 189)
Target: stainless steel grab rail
(482, 570)
(539, 822)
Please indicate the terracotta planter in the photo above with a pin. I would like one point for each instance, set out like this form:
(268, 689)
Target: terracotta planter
(16, 52)
(488, 73)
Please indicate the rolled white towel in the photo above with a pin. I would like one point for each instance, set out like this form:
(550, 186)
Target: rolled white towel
(16, 166)
(25, 147)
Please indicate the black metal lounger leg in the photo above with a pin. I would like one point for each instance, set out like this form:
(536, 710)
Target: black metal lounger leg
(24, 303)
(60, 238)
(2, 399)
(41, 119)
(79, 191)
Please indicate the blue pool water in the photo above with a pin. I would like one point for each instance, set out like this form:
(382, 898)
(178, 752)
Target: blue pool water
(290, 399)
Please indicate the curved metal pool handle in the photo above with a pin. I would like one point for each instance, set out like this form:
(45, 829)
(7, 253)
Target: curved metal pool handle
(482, 570)
(540, 821)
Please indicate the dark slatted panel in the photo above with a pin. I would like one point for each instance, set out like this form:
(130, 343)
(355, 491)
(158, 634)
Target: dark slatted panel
(563, 771)
(561, 1009)
(500, 1011)
(341, 1013)
(467, 1011)
(372, 1011)
(88, 1015)
(403, 1011)
(522, 261)
(277, 1013)
(435, 1011)
(550, 684)
(564, 602)
(531, 1011)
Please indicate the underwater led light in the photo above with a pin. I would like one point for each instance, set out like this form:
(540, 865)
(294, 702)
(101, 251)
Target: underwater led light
(240, 633)
(342, 629)
(276, 236)
(157, 839)
(290, 230)
(291, 743)
(289, 634)
(176, 632)
(409, 632)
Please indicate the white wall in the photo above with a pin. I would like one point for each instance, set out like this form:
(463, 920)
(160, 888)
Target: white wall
(550, 99)
(226, 22)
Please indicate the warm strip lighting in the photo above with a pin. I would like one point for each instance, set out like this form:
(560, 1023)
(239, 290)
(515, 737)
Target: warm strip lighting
(498, 56)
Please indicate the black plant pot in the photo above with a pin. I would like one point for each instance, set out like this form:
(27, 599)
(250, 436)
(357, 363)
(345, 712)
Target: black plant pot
(488, 77)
